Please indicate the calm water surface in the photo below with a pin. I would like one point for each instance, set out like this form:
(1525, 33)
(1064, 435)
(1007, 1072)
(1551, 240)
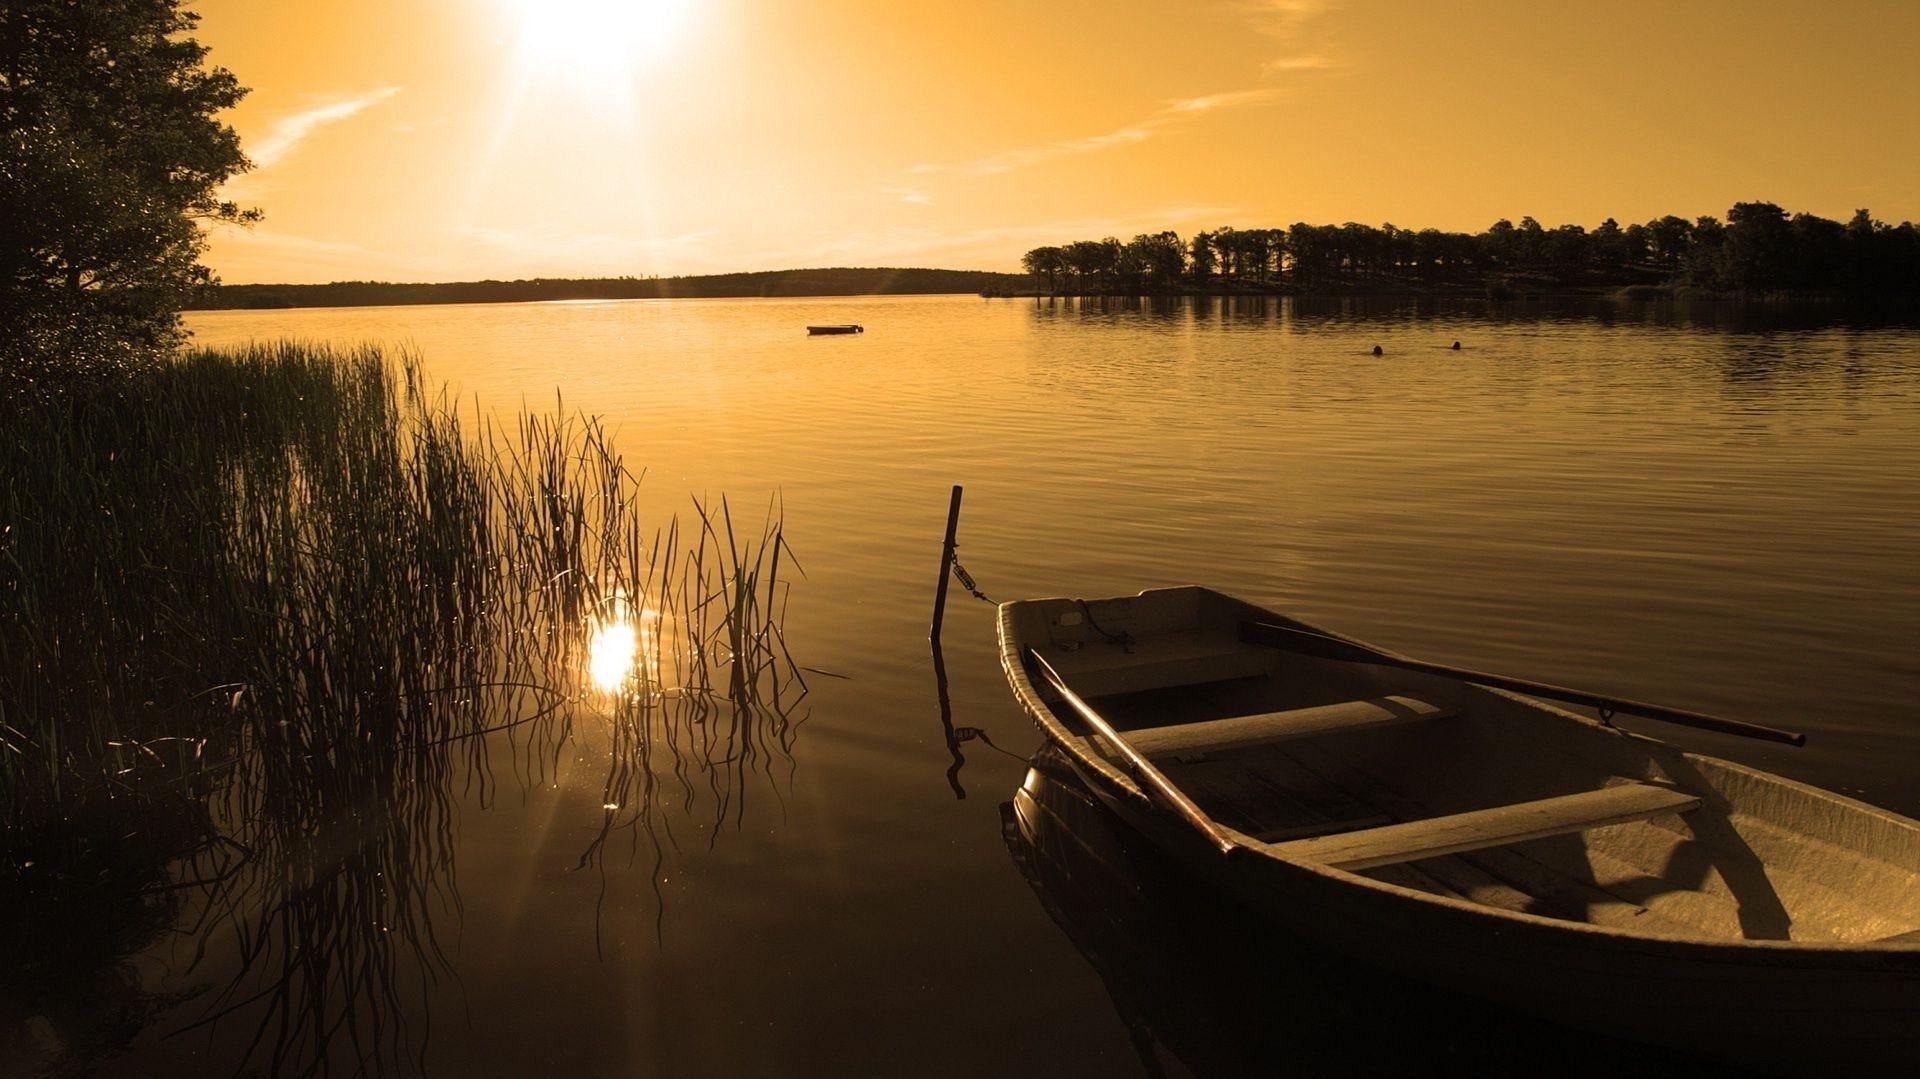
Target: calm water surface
(1695, 506)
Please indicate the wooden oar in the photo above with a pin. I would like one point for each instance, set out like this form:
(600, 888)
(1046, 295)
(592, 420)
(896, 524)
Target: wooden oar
(1325, 647)
(1143, 770)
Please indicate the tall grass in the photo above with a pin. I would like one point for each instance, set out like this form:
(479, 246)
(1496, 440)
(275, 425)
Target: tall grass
(265, 615)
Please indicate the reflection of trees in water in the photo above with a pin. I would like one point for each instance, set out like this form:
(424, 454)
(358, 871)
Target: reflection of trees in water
(347, 604)
(1313, 313)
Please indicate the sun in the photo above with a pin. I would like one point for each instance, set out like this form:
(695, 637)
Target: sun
(596, 37)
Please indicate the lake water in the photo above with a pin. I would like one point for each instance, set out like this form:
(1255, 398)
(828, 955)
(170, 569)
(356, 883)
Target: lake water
(1706, 507)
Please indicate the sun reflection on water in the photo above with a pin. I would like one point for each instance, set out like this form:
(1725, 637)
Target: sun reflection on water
(623, 644)
(612, 652)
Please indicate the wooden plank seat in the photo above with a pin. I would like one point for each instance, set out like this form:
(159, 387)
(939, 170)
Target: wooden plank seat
(1412, 840)
(1239, 732)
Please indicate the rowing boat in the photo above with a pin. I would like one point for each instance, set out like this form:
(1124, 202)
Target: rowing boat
(1201, 978)
(1484, 841)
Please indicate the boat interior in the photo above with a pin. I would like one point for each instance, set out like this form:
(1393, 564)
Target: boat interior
(1460, 791)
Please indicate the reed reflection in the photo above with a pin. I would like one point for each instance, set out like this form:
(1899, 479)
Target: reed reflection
(711, 695)
(351, 605)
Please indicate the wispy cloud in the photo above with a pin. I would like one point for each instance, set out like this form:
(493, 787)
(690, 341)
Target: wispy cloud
(1303, 62)
(1297, 27)
(1289, 22)
(1172, 115)
(913, 196)
(1193, 106)
(292, 129)
(1287, 14)
(989, 248)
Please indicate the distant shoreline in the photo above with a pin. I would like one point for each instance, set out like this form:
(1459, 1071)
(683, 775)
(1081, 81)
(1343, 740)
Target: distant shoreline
(860, 282)
(784, 284)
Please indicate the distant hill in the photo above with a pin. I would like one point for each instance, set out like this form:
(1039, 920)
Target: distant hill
(816, 282)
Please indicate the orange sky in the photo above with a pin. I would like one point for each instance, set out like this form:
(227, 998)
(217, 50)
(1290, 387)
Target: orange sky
(419, 140)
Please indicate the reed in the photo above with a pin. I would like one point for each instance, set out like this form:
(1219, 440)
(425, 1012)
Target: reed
(283, 605)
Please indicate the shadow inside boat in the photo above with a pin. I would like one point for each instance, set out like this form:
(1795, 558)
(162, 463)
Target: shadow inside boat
(1206, 987)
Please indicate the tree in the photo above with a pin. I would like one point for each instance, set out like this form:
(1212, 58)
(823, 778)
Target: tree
(1759, 245)
(1566, 255)
(1531, 242)
(1607, 250)
(1314, 250)
(1200, 256)
(1502, 243)
(1092, 263)
(1045, 262)
(113, 156)
(1226, 247)
(1669, 238)
(1818, 259)
(1160, 259)
(1759, 248)
(1704, 251)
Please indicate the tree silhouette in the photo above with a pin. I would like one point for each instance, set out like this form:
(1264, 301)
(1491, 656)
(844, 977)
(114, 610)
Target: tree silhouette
(1045, 263)
(1159, 259)
(1760, 250)
(112, 159)
(1201, 258)
(1759, 242)
(1669, 238)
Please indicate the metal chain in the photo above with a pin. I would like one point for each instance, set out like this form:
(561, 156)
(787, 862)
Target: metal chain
(966, 579)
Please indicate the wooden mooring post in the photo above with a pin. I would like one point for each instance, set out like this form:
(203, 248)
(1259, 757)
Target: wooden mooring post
(946, 564)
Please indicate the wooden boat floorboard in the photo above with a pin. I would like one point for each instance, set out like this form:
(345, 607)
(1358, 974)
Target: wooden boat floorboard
(1224, 788)
(1464, 878)
(1275, 795)
(1556, 894)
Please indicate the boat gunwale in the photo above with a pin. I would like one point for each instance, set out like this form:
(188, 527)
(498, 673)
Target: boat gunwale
(1105, 778)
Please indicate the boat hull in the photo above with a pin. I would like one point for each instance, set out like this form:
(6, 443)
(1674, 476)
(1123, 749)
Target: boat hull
(1750, 996)
(1222, 988)
(1776, 1009)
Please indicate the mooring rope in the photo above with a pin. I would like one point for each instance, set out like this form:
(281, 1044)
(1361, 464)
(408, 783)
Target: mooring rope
(968, 734)
(1123, 638)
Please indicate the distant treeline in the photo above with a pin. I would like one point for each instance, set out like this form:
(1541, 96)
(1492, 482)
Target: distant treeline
(1758, 250)
(819, 282)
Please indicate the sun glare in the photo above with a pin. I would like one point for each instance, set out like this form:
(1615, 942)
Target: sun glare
(596, 36)
(611, 653)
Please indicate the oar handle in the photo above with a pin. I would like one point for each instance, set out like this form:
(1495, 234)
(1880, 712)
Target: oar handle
(1149, 777)
(1336, 648)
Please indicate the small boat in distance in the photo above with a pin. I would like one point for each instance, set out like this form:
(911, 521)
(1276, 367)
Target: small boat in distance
(1425, 822)
(847, 328)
